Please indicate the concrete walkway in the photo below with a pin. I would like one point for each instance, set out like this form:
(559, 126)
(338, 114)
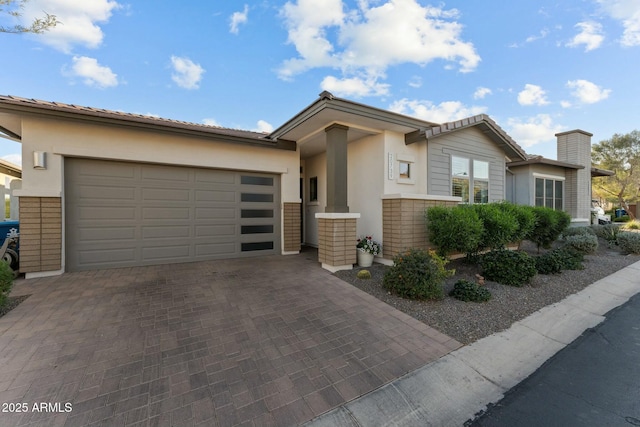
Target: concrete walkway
(270, 341)
(451, 390)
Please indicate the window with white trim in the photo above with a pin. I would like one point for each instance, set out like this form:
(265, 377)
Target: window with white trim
(549, 193)
(467, 174)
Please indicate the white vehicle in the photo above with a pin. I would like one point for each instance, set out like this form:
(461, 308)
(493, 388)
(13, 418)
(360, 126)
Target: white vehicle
(597, 214)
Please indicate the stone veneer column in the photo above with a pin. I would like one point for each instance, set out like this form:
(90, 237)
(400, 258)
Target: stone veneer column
(337, 240)
(291, 223)
(575, 147)
(40, 234)
(403, 221)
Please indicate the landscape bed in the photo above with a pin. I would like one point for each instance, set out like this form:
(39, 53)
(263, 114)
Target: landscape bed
(470, 321)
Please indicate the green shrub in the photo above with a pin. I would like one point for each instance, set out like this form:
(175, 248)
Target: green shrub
(513, 268)
(623, 218)
(454, 229)
(629, 242)
(465, 290)
(499, 226)
(609, 232)
(555, 261)
(417, 274)
(586, 244)
(6, 281)
(631, 225)
(549, 225)
(525, 217)
(578, 231)
(364, 274)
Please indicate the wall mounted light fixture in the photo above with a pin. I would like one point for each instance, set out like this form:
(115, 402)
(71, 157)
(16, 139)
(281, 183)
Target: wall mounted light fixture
(39, 160)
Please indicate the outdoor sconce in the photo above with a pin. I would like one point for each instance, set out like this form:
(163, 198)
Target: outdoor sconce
(39, 160)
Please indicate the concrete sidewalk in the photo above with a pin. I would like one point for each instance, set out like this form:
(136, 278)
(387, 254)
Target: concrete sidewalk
(451, 390)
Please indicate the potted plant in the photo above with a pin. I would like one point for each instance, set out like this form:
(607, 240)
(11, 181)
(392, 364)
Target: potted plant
(367, 248)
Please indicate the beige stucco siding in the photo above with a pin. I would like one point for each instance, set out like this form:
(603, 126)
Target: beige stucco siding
(315, 166)
(66, 138)
(469, 143)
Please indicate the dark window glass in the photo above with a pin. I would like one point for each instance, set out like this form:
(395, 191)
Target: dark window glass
(558, 195)
(256, 213)
(257, 246)
(539, 192)
(256, 197)
(548, 193)
(256, 180)
(313, 189)
(256, 229)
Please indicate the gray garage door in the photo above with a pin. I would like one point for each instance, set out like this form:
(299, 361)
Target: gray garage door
(120, 214)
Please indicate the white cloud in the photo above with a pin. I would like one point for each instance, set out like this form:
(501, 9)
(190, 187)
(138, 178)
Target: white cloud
(532, 95)
(587, 92)
(263, 126)
(16, 159)
(447, 111)
(211, 122)
(78, 21)
(482, 92)
(543, 33)
(628, 13)
(415, 82)
(533, 130)
(186, 73)
(354, 86)
(238, 18)
(590, 36)
(367, 40)
(91, 72)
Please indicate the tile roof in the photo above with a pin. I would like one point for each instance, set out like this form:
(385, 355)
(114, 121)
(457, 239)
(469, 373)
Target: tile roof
(15, 103)
(484, 122)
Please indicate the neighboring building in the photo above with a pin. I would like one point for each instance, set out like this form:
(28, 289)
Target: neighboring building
(105, 189)
(10, 175)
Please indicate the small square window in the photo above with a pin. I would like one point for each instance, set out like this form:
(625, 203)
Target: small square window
(404, 170)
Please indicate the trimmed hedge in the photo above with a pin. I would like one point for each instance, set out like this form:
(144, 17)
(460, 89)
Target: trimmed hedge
(549, 225)
(499, 226)
(513, 268)
(454, 229)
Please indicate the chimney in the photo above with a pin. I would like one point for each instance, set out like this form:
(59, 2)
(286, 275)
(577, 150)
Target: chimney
(575, 147)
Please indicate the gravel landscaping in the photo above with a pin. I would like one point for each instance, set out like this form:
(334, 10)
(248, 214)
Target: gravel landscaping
(469, 321)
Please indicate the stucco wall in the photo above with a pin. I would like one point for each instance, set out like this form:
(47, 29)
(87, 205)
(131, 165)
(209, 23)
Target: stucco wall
(66, 138)
(366, 165)
(314, 167)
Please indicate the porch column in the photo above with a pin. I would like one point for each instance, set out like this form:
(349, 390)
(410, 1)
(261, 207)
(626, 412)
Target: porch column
(336, 169)
(336, 226)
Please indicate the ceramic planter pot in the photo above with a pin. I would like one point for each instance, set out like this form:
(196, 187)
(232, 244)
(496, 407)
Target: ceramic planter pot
(365, 259)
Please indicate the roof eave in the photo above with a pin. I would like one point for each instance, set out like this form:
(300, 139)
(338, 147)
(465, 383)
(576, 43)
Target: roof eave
(139, 122)
(328, 101)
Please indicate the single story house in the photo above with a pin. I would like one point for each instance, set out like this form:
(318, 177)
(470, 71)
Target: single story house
(104, 189)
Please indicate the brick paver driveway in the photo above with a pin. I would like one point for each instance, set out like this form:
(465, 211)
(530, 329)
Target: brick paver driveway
(268, 341)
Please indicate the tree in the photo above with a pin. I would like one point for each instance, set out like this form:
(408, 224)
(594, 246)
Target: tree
(620, 154)
(13, 8)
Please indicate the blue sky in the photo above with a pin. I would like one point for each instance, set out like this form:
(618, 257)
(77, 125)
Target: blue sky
(536, 67)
